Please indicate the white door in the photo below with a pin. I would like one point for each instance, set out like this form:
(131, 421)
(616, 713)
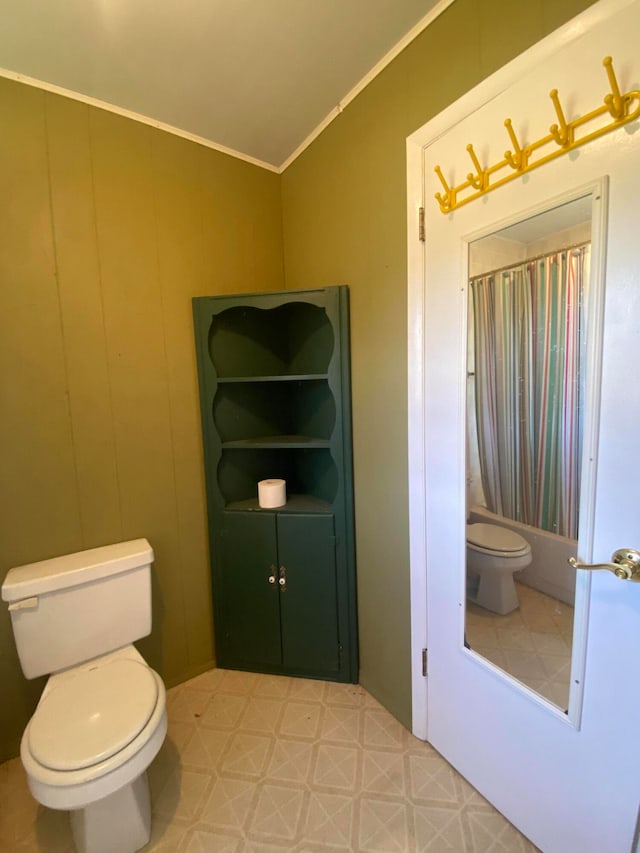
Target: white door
(567, 777)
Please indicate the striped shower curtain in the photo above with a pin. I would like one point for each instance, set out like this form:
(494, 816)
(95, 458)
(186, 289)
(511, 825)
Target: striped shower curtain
(528, 333)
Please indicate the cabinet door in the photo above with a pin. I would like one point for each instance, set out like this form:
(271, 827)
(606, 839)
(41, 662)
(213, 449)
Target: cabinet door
(308, 603)
(250, 603)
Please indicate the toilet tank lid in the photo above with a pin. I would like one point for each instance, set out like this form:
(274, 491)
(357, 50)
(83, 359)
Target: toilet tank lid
(73, 569)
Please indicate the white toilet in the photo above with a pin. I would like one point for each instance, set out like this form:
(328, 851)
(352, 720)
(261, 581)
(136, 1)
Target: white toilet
(494, 553)
(102, 716)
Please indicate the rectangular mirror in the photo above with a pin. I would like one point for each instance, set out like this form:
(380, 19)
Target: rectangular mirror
(526, 351)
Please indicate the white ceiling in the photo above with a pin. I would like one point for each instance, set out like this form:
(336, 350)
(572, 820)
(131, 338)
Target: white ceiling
(257, 77)
(560, 218)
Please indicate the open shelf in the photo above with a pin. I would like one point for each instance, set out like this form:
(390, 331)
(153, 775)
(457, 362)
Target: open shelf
(291, 377)
(295, 503)
(300, 412)
(275, 442)
(291, 340)
(307, 471)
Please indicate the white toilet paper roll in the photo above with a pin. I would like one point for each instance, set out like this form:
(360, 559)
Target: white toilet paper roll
(272, 493)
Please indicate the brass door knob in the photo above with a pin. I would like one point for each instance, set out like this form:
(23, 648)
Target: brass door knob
(625, 564)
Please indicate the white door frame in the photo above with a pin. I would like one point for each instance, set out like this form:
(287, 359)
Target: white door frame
(416, 145)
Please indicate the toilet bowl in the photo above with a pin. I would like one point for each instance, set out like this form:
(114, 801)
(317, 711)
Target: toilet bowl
(101, 718)
(494, 553)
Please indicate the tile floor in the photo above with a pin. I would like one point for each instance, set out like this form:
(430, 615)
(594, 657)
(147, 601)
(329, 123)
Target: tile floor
(266, 764)
(533, 643)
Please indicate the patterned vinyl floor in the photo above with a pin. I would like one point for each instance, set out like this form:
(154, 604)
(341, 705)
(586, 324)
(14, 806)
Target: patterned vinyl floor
(265, 764)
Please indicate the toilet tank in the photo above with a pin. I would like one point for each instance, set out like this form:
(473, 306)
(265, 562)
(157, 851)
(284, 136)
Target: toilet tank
(70, 609)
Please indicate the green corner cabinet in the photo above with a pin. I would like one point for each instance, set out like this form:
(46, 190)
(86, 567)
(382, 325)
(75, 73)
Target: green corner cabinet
(274, 381)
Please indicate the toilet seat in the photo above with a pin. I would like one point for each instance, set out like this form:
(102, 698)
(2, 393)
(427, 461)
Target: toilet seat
(87, 719)
(78, 787)
(496, 541)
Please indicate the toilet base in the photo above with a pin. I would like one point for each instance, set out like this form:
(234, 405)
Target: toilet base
(496, 592)
(119, 823)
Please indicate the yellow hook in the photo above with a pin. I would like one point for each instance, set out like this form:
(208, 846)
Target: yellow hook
(445, 201)
(615, 102)
(562, 132)
(479, 180)
(518, 159)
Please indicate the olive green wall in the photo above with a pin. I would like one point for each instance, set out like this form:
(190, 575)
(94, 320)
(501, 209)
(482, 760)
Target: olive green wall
(344, 213)
(107, 229)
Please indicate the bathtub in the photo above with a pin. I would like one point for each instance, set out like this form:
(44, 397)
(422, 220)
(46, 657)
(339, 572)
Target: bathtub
(549, 570)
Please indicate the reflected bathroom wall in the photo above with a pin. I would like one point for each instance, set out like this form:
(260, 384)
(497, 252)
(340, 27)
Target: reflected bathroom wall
(520, 588)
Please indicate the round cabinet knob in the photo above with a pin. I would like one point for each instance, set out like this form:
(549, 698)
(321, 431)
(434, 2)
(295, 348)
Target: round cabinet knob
(272, 578)
(282, 581)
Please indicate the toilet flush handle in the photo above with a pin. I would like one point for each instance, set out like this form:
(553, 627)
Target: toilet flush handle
(25, 604)
(625, 564)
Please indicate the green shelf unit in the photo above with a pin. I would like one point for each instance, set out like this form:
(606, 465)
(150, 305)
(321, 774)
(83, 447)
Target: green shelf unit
(273, 372)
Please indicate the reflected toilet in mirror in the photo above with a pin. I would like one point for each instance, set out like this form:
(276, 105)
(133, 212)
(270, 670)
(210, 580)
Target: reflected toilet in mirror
(527, 306)
(494, 553)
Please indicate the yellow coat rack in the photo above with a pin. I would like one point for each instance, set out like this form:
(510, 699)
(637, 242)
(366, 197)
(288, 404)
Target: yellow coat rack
(522, 158)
